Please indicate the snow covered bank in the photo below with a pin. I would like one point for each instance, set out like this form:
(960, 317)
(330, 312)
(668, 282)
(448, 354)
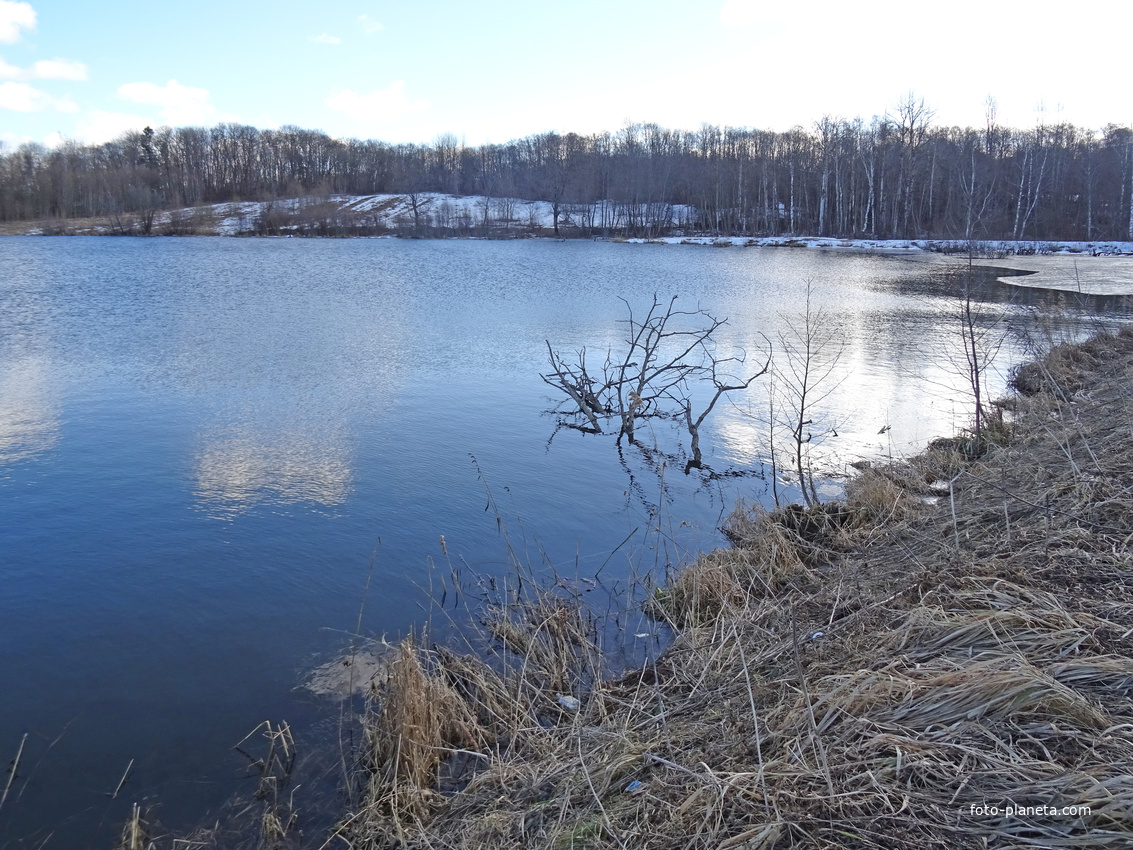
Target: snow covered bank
(432, 213)
(988, 250)
(443, 215)
(1094, 268)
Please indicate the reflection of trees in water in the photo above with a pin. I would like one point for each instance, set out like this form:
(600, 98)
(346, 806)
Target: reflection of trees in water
(657, 475)
(667, 378)
(646, 470)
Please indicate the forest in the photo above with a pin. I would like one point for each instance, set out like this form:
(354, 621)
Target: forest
(896, 177)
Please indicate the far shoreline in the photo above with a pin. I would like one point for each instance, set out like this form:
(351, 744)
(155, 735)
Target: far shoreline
(1034, 264)
(432, 215)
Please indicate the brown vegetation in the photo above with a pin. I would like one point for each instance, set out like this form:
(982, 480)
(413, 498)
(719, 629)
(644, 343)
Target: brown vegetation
(861, 675)
(892, 670)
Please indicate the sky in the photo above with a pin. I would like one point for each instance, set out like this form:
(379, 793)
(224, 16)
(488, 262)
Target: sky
(495, 70)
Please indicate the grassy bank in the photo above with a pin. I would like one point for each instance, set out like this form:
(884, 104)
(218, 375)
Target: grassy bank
(942, 659)
(898, 669)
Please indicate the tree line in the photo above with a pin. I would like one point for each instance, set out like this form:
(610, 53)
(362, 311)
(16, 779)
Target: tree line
(895, 177)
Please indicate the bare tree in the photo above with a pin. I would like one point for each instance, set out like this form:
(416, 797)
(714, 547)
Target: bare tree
(981, 338)
(668, 355)
(977, 189)
(810, 347)
(912, 122)
(897, 175)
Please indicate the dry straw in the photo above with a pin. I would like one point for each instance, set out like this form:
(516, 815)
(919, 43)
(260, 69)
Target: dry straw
(885, 672)
(866, 674)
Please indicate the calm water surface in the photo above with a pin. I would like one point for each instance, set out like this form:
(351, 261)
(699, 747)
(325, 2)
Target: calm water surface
(205, 444)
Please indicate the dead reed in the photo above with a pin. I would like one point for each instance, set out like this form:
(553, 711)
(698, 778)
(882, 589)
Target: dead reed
(884, 672)
(922, 664)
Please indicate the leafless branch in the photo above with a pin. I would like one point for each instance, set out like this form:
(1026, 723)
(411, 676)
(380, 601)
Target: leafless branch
(668, 356)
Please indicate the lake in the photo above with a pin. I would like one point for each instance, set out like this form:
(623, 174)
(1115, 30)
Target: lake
(210, 448)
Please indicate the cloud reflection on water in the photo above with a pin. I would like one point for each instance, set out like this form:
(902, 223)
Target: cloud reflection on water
(29, 411)
(287, 370)
(239, 469)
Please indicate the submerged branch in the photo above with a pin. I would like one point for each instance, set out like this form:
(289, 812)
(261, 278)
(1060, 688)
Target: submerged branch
(667, 355)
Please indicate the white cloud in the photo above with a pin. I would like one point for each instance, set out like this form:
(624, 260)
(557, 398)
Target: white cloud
(59, 69)
(15, 16)
(740, 13)
(326, 39)
(369, 25)
(385, 106)
(11, 141)
(180, 105)
(20, 97)
(100, 126)
(45, 69)
(11, 72)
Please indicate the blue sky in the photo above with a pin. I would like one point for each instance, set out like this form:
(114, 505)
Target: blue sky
(493, 71)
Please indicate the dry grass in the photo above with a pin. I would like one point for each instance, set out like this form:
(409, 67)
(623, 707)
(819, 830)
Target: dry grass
(195, 221)
(862, 675)
(766, 561)
(881, 496)
(866, 674)
(422, 719)
(135, 833)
